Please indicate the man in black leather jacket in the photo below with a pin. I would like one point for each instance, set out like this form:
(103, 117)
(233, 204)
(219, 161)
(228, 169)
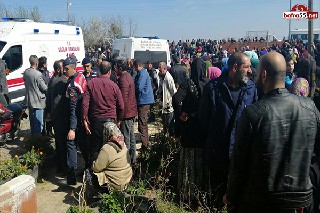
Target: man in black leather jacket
(275, 142)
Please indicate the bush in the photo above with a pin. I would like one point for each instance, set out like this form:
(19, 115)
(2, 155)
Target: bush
(32, 158)
(77, 209)
(11, 168)
(111, 203)
(40, 143)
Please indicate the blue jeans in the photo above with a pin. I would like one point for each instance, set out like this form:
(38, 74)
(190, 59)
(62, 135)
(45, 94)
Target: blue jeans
(36, 121)
(127, 129)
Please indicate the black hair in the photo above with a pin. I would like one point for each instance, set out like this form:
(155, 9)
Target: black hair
(288, 58)
(42, 61)
(57, 65)
(122, 64)
(137, 63)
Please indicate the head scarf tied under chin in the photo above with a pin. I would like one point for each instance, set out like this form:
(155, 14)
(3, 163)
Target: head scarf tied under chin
(111, 133)
(300, 87)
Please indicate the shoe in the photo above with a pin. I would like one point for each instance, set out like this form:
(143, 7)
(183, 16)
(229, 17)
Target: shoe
(67, 182)
(71, 181)
(71, 178)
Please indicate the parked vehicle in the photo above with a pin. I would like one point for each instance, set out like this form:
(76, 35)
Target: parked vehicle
(10, 119)
(20, 38)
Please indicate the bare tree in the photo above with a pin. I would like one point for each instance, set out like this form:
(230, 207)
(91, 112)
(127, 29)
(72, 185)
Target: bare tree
(132, 25)
(21, 12)
(35, 14)
(95, 31)
(115, 27)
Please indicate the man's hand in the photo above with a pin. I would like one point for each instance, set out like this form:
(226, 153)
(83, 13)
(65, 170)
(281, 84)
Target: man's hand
(225, 200)
(87, 127)
(184, 116)
(48, 119)
(71, 135)
(119, 124)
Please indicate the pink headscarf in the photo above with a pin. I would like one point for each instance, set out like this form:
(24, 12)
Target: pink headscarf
(213, 72)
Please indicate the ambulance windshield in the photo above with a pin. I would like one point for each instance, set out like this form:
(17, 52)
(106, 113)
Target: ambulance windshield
(154, 56)
(2, 44)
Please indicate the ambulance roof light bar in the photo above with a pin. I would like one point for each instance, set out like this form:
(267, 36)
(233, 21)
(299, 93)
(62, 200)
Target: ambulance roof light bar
(61, 22)
(152, 37)
(17, 19)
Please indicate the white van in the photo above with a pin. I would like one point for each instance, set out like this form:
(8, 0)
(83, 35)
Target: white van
(303, 34)
(143, 49)
(20, 38)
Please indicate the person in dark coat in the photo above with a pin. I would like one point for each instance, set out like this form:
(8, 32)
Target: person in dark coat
(191, 166)
(178, 72)
(221, 104)
(89, 73)
(275, 143)
(56, 105)
(42, 67)
(127, 88)
(3, 84)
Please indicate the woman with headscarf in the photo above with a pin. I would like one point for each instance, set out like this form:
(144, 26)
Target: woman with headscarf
(214, 72)
(300, 87)
(191, 167)
(112, 166)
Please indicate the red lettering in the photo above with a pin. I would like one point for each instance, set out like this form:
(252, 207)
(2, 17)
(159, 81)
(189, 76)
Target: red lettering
(312, 15)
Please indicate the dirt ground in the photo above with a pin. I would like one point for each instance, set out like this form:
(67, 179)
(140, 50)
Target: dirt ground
(52, 195)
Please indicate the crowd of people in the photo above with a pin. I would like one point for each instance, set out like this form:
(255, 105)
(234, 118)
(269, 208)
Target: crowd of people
(246, 140)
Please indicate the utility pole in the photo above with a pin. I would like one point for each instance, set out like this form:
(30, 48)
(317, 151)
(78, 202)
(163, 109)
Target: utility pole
(68, 14)
(310, 29)
(289, 37)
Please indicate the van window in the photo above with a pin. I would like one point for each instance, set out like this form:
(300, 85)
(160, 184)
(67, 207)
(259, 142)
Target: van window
(13, 57)
(2, 44)
(154, 56)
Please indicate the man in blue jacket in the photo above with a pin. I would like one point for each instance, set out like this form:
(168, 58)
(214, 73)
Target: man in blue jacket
(220, 107)
(145, 98)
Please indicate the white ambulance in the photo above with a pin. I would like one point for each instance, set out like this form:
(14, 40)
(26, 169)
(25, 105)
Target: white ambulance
(20, 38)
(144, 49)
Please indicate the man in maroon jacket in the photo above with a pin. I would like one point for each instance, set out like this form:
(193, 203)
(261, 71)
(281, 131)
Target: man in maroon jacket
(127, 87)
(102, 102)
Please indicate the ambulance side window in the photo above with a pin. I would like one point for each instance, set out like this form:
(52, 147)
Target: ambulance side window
(13, 57)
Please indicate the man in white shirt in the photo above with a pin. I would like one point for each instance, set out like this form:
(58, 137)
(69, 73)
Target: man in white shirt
(168, 89)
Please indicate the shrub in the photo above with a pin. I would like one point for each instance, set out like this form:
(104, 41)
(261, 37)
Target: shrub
(111, 203)
(11, 168)
(77, 209)
(32, 158)
(40, 143)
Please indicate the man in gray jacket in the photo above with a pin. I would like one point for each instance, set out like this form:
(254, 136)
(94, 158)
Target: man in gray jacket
(35, 95)
(3, 83)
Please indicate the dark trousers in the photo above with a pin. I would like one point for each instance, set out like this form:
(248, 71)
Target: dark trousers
(166, 121)
(143, 111)
(84, 144)
(72, 159)
(96, 139)
(61, 149)
(127, 129)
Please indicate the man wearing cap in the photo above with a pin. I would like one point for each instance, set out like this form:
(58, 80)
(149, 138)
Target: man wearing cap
(89, 73)
(76, 87)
